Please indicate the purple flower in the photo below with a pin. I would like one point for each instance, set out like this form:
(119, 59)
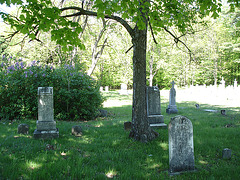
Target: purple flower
(3, 56)
(71, 74)
(44, 75)
(35, 75)
(8, 71)
(26, 75)
(2, 64)
(21, 64)
(11, 68)
(30, 72)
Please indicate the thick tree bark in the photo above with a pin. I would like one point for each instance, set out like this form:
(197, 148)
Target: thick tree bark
(141, 129)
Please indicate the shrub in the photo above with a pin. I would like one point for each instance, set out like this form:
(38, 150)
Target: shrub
(76, 95)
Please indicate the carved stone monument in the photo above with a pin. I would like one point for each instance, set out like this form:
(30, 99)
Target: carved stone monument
(172, 107)
(154, 116)
(46, 126)
(181, 151)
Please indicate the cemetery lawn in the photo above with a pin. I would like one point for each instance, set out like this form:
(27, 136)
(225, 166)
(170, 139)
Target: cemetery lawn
(105, 151)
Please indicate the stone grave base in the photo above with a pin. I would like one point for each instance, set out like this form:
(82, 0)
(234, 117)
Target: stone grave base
(159, 125)
(46, 134)
(181, 172)
(154, 119)
(171, 111)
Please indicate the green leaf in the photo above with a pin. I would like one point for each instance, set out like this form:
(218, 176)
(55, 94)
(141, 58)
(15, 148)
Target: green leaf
(32, 36)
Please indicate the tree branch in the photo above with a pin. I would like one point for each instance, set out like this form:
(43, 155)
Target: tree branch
(154, 39)
(177, 39)
(81, 11)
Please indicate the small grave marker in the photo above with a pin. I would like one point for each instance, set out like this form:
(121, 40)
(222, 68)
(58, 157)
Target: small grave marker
(223, 112)
(181, 151)
(23, 129)
(127, 126)
(77, 130)
(226, 153)
(106, 89)
(123, 90)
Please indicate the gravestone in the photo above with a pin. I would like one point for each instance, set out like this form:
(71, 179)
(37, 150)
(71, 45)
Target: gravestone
(155, 118)
(123, 90)
(46, 126)
(222, 83)
(127, 126)
(101, 88)
(77, 130)
(172, 107)
(235, 84)
(226, 153)
(23, 129)
(181, 152)
(106, 88)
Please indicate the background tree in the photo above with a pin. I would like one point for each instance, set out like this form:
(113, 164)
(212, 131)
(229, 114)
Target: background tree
(135, 16)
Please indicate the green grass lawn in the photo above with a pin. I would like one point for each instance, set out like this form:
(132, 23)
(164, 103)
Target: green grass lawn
(105, 151)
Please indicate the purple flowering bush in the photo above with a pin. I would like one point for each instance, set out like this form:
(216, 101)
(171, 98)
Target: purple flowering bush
(76, 95)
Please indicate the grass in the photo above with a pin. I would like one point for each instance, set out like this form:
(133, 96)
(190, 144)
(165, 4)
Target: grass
(105, 151)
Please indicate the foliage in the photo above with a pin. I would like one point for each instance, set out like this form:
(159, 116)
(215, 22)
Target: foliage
(105, 151)
(76, 95)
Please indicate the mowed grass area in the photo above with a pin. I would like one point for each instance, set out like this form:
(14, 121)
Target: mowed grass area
(105, 151)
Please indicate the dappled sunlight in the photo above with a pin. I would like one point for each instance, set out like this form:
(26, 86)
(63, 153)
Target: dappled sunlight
(203, 162)
(111, 173)
(115, 103)
(164, 146)
(33, 165)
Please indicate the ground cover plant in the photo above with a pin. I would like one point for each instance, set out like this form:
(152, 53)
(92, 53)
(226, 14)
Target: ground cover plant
(76, 95)
(105, 151)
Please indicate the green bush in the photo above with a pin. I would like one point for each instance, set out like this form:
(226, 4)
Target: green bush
(76, 95)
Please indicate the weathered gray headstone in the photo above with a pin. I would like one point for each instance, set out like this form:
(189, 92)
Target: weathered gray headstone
(127, 126)
(155, 118)
(23, 129)
(226, 153)
(181, 151)
(172, 107)
(46, 126)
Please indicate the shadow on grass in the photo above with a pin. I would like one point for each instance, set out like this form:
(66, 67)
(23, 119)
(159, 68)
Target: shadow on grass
(105, 151)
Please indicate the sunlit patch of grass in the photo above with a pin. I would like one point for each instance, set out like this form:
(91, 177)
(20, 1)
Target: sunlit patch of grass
(33, 165)
(203, 162)
(111, 173)
(164, 146)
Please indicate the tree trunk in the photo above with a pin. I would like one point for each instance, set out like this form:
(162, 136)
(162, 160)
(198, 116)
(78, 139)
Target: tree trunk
(141, 129)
